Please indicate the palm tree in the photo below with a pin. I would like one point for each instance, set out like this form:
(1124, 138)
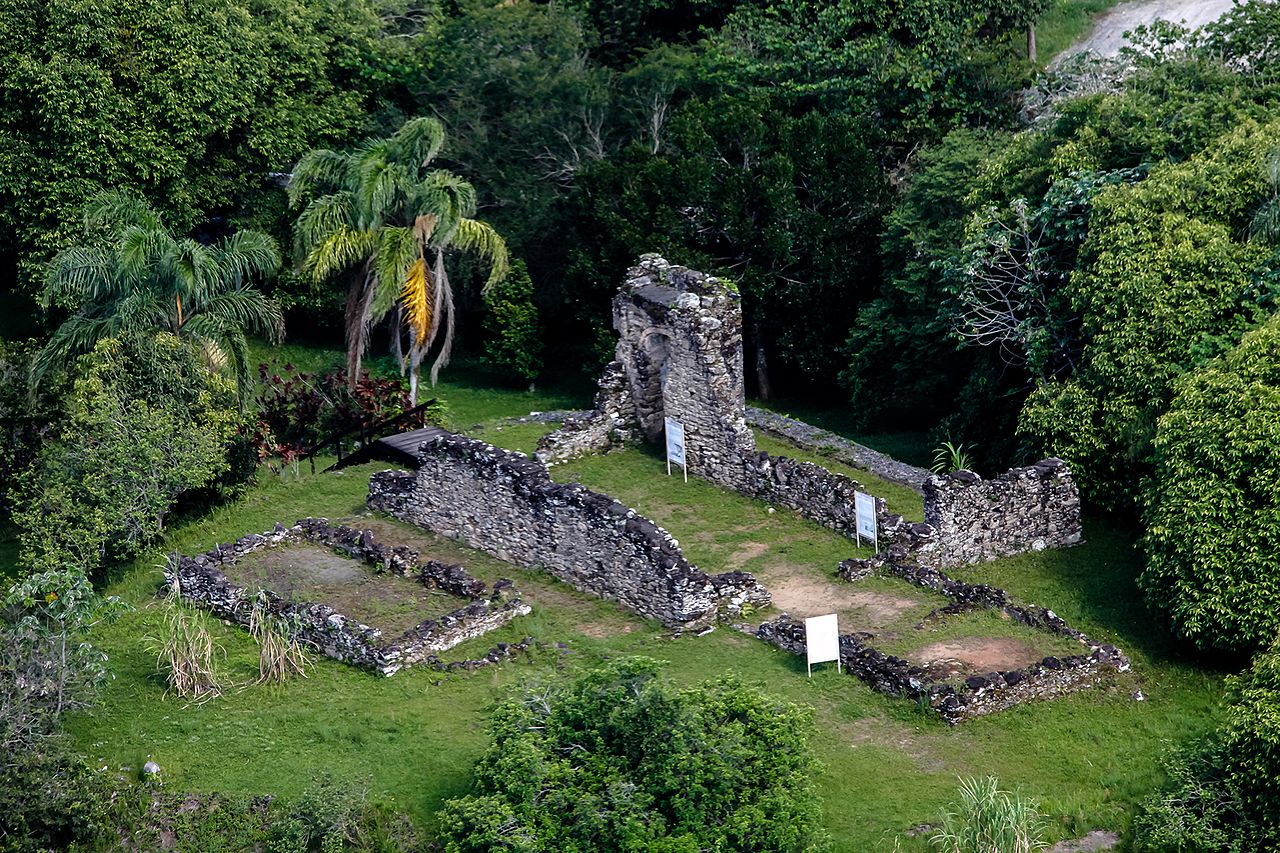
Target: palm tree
(383, 215)
(133, 276)
(1266, 221)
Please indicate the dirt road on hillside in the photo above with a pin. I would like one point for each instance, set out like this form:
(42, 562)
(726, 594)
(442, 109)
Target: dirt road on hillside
(1107, 36)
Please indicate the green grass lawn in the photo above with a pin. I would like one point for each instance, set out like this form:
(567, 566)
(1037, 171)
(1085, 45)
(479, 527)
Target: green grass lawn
(886, 766)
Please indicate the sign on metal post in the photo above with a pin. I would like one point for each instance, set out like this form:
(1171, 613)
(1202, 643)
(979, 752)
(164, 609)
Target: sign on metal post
(822, 640)
(864, 507)
(675, 446)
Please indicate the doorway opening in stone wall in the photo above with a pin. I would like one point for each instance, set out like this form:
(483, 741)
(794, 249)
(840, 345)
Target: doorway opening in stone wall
(653, 363)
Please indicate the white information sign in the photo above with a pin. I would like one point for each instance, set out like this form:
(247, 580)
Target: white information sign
(675, 446)
(864, 507)
(822, 640)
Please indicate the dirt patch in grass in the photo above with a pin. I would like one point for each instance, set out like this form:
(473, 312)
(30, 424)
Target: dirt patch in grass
(804, 593)
(745, 553)
(314, 574)
(978, 654)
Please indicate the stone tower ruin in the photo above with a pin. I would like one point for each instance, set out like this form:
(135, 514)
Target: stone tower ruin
(679, 356)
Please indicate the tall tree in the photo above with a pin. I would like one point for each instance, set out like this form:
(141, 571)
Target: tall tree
(133, 276)
(383, 216)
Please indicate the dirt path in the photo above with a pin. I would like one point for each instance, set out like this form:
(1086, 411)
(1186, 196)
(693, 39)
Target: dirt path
(1107, 36)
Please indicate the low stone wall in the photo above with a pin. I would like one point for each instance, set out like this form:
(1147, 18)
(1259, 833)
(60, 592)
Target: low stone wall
(1024, 509)
(201, 580)
(507, 505)
(977, 695)
(811, 490)
(837, 447)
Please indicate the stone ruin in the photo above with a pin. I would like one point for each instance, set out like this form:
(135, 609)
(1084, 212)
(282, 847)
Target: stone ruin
(506, 504)
(679, 355)
(200, 580)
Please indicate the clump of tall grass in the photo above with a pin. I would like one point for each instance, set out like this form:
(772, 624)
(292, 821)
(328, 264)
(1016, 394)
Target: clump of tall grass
(186, 653)
(281, 655)
(989, 820)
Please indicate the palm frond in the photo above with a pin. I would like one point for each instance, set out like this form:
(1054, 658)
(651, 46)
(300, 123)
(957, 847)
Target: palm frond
(342, 249)
(115, 211)
(320, 171)
(382, 190)
(243, 308)
(397, 250)
(321, 218)
(244, 256)
(479, 237)
(73, 338)
(418, 141)
(140, 249)
(415, 300)
(1265, 226)
(445, 289)
(78, 274)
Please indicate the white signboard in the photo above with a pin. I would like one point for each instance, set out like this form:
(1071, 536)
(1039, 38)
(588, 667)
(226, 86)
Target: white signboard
(864, 507)
(822, 640)
(675, 446)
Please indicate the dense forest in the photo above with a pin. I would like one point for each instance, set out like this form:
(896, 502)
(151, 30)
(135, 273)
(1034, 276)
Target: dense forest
(934, 231)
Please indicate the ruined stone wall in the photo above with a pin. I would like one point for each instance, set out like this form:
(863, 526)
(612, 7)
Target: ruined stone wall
(507, 505)
(200, 579)
(811, 490)
(976, 695)
(679, 355)
(1024, 509)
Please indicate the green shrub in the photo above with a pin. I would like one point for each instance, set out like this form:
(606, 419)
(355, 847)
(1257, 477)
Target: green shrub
(1210, 509)
(1225, 793)
(146, 424)
(514, 345)
(618, 761)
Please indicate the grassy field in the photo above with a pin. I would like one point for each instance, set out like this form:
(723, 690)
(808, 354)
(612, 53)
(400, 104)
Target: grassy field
(886, 767)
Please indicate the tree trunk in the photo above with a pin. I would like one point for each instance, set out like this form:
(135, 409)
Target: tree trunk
(1031, 42)
(763, 387)
(351, 318)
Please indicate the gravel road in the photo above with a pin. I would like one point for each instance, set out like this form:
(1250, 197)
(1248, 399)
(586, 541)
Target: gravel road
(1107, 36)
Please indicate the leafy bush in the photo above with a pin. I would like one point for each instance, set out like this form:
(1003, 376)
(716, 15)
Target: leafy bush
(514, 347)
(47, 666)
(48, 797)
(146, 423)
(1224, 795)
(50, 800)
(1210, 508)
(1163, 286)
(618, 760)
(26, 421)
(989, 820)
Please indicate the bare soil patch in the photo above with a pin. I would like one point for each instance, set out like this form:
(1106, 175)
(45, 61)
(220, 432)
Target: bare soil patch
(978, 654)
(316, 575)
(802, 593)
(745, 553)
